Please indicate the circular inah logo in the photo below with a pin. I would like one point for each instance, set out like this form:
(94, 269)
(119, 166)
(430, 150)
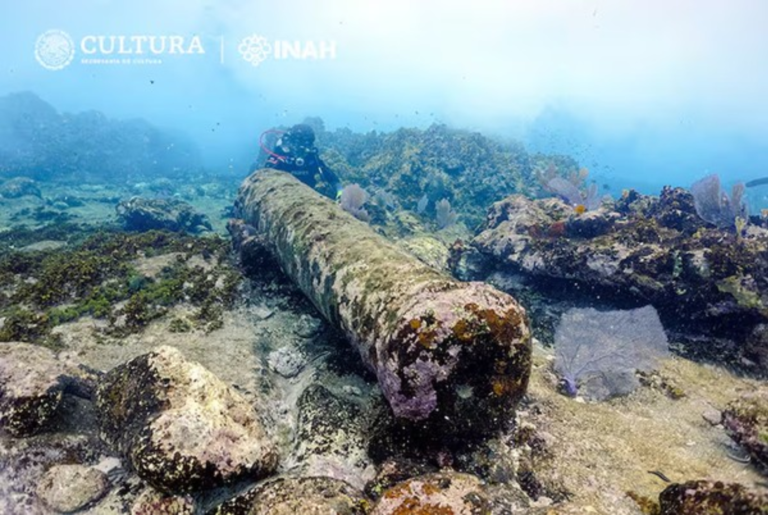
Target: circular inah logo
(54, 49)
(254, 49)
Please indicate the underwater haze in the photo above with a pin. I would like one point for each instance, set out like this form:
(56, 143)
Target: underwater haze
(368, 257)
(643, 93)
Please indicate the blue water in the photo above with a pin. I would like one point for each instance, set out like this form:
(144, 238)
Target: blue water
(641, 93)
(126, 128)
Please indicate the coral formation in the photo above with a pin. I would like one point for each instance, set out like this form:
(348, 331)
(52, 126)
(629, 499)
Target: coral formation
(353, 198)
(640, 250)
(465, 168)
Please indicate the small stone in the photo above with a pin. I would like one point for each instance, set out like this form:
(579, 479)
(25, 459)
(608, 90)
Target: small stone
(261, 312)
(43, 245)
(308, 326)
(712, 416)
(352, 390)
(67, 488)
(108, 464)
(286, 361)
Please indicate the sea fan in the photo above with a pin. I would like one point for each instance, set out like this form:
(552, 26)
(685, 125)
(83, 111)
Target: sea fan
(713, 205)
(573, 196)
(444, 215)
(597, 353)
(353, 197)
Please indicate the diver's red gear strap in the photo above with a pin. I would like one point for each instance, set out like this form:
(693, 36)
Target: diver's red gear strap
(265, 149)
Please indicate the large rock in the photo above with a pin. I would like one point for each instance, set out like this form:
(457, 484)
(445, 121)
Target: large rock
(141, 214)
(67, 488)
(746, 421)
(706, 497)
(181, 428)
(289, 496)
(31, 387)
(704, 281)
(25, 461)
(331, 438)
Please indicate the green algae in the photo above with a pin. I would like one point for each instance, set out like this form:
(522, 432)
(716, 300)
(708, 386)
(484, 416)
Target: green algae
(744, 297)
(42, 289)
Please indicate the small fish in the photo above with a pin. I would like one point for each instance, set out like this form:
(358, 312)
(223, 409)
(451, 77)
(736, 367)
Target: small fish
(757, 182)
(741, 459)
(660, 475)
(580, 209)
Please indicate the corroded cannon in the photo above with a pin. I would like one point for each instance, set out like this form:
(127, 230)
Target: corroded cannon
(451, 355)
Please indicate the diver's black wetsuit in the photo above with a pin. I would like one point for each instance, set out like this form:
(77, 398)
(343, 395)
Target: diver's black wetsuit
(306, 169)
(295, 153)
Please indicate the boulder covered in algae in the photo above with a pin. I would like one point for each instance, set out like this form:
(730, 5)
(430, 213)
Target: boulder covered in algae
(31, 387)
(703, 280)
(746, 421)
(448, 355)
(181, 428)
(146, 214)
(331, 438)
(711, 498)
(70, 487)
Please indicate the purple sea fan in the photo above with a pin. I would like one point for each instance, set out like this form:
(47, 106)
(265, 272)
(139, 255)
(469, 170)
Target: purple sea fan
(573, 196)
(566, 190)
(713, 205)
(353, 197)
(598, 352)
(444, 214)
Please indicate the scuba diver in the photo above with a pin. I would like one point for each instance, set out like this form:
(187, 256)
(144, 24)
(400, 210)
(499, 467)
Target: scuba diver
(295, 153)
